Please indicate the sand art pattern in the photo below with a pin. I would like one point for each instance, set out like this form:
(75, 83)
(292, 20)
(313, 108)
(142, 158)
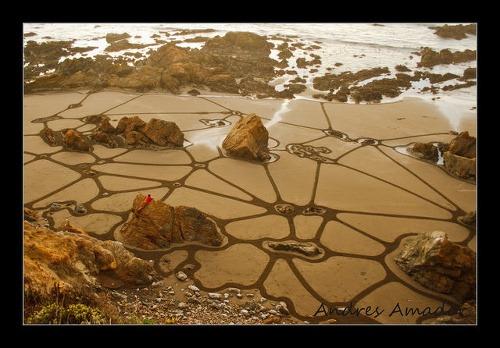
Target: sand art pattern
(334, 182)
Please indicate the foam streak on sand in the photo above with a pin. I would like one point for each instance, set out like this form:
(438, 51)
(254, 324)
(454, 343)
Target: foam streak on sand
(278, 115)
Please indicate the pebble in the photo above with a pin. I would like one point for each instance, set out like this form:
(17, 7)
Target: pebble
(273, 312)
(182, 305)
(263, 299)
(264, 316)
(226, 295)
(250, 295)
(233, 290)
(181, 276)
(244, 312)
(158, 299)
(80, 209)
(238, 295)
(193, 288)
(214, 295)
(171, 292)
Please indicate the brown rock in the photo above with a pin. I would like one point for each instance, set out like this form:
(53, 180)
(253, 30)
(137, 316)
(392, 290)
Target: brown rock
(425, 150)
(76, 141)
(463, 145)
(128, 124)
(112, 37)
(158, 225)
(429, 57)
(72, 262)
(51, 137)
(105, 126)
(133, 137)
(248, 139)
(163, 133)
(440, 265)
(456, 32)
(462, 167)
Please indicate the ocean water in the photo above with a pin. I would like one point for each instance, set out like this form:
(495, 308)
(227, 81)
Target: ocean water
(385, 45)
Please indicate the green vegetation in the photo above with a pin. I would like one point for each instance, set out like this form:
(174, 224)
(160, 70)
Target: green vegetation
(55, 313)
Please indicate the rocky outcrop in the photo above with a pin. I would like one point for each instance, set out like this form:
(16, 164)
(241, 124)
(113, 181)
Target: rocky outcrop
(248, 139)
(460, 157)
(440, 265)
(425, 150)
(159, 224)
(72, 262)
(457, 32)
(217, 65)
(429, 57)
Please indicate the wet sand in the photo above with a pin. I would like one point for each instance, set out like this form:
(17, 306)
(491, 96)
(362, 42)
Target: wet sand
(355, 201)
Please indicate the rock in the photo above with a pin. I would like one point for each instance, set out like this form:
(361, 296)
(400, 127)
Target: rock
(463, 145)
(112, 37)
(163, 133)
(282, 308)
(308, 249)
(402, 68)
(51, 137)
(105, 126)
(457, 32)
(462, 167)
(469, 73)
(465, 315)
(440, 265)
(273, 319)
(248, 139)
(194, 92)
(239, 295)
(73, 262)
(214, 295)
(193, 288)
(244, 312)
(182, 305)
(181, 276)
(425, 150)
(69, 227)
(80, 209)
(74, 140)
(31, 215)
(430, 58)
(468, 219)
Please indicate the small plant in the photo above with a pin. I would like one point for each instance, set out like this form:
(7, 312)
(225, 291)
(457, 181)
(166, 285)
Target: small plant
(54, 313)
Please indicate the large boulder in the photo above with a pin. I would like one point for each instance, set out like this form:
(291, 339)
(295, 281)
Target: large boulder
(440, 265)
(462, 167)
(159, 224)
(248, 139)
(463, 145)
(163, 133)
(73, 262)
(460, 157)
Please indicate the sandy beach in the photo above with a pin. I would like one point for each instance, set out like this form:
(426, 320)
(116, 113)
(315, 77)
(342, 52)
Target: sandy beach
(355, 201)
